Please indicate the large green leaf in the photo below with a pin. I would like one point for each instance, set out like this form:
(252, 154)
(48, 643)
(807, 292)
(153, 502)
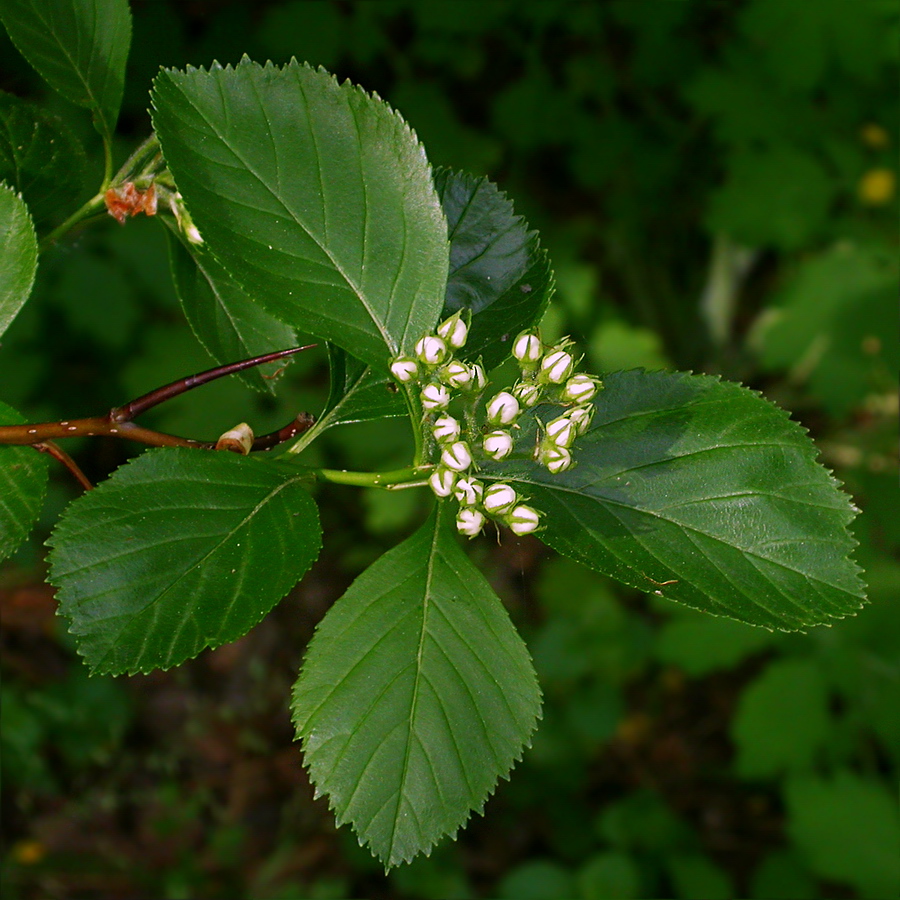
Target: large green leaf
(227, 321)
(79, 47)
(39, 157)
(23, 482)
(18, 255)
(179, 550)
(416, 695)
(315, 196)
(497, 267)
(700, 491)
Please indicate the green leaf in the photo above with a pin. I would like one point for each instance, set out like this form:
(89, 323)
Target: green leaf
(316, 196)
(782, 719)
(497, 267)
(39, 157)
(416, 695)
(225, 319)
(23, 483)
(18, 255)
(79, 47)
(848, 828)
(703, 492)
(179, 550)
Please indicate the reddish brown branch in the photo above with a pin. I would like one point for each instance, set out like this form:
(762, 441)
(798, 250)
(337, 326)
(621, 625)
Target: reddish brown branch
(60, 454)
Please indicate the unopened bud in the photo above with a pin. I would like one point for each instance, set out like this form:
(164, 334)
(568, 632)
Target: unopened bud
(469, 521)
(581, 417)
(478, 381)
(527, 393)
(434, 396)
(522, 519)
(499, 498)
(457, 374)
(404, 369)
(431, 350)
(442, 481)
(468, 491)
(553, 458)
(527, 348)
(579, 389)
(556, 367)
(457, 456)
(503, 409)
(562, 431)
(498, 444)
(454, 331)
(445, 429)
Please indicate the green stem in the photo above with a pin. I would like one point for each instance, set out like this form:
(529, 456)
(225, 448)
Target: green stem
(92, 206)
(413, 404)
(411, 476)
(144, 151)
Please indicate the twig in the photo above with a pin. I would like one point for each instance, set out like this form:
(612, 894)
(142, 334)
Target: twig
(57, 452)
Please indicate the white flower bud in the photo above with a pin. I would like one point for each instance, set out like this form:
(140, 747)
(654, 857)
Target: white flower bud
(553, 458)
(469, 521)
(498, 444)
(579, 389)
(556, 367)
(503, 409)
(454, 331)
(431, 350)
(527, 393)
(479, 381)
(469, 491)
(404, 369)
(434, 396)
(562, 431)
(522, 519)
(527, 348)
(581, 416)
(445, 429)
(457, 374)
(442, 481)
(457, 456)
(499, 499)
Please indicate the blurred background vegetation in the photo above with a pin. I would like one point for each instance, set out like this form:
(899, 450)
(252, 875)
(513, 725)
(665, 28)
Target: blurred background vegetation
(716, 185)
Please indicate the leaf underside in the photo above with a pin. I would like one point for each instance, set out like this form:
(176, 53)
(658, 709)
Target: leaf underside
(416, 695)
(179, 550)
(18, 255)
(703, 492)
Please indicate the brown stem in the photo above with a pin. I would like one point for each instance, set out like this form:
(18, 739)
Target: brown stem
(58, 453)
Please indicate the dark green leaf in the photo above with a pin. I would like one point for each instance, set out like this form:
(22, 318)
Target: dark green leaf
(416, 695)
(179, 550)
(700, 491)
(23, 482)
(497, 267)
(79, 47)
(315, 196)
(227, 321)
(18, 255)
(39, 157)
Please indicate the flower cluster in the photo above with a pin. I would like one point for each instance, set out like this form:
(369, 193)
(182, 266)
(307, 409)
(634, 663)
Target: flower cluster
(546, 376)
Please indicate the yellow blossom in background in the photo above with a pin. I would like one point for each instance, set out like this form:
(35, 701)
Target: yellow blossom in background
(877, 187)
(28, 853)
(874, 136)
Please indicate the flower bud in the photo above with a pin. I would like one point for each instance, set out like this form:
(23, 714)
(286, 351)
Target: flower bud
(431, 350)
(468, 491)
(499, 499)
(442, 481)
(457, 456)
(527, 348)
(445, 429)
(581, 417)
(553, 458)
(457, 374)
(561, 431)
(454, 331)
(478, 381)
(503, 409)
(404, 369)
(522, 519)
(498, 444)
(527, 393)
(469, 521)
(579, 389)
(434, 396)
(556, 367)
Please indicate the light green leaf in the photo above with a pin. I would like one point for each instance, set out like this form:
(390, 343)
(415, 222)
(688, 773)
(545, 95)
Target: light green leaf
(225, 319)
(416, 695)
(39, 157)
(315, 196)
(18, 255)
(497, 267)
(848, 828)
(782, 719)
(79, 47)
(179, 550)
(23, 482)
(700, 491)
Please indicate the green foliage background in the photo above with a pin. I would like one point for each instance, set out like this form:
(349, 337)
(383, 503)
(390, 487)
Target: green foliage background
(716, 186)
